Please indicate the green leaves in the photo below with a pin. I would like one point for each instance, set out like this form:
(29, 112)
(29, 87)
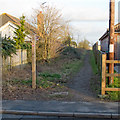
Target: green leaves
(20, 34)
(8, 47)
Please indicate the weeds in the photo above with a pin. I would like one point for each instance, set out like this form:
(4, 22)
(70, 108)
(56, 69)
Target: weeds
(48, 80)
(114, 95)
(95, 80)
(48, 75)
(71, 67)
(93, 64)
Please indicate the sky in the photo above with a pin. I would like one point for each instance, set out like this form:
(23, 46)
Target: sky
(88, 18)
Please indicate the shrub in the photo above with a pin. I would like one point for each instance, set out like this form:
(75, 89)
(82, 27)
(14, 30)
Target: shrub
(8, 47)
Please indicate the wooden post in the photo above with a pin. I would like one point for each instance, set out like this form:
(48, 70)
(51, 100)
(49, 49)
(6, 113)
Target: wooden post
(103, 74)
(33, 62)
(96, 52)
(111, 38)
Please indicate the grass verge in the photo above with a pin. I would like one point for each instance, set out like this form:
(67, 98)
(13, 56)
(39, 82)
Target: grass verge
(95, 80)
(93, 64)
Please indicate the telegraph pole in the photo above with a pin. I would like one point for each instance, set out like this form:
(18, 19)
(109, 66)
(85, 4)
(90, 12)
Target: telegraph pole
(111, 38)
(33, 62)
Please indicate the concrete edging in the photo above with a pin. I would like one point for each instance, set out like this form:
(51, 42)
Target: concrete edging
(62, 114)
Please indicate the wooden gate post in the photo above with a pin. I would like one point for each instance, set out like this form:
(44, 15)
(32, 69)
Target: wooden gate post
(103, 74)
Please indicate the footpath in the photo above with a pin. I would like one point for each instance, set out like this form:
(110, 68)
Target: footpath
(62, 109)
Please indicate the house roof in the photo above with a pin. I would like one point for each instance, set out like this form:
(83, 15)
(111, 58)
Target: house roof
(104, 35)
(116, 28)
(4, 17)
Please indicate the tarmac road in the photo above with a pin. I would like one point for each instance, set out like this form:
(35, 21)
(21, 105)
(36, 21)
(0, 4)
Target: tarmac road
(26, 117)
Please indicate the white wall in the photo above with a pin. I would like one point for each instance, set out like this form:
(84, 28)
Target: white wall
(8, 30)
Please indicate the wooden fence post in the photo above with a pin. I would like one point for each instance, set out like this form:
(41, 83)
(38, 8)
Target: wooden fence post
(103, 74)
(33, 62)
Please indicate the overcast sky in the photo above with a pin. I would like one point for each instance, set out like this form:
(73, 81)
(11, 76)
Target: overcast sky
(89, 18)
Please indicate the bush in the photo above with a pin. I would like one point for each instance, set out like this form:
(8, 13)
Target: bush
(8, 47)
(114, 95)
(72, 52)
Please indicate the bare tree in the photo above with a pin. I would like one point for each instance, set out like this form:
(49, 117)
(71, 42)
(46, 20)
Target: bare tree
(51, 29)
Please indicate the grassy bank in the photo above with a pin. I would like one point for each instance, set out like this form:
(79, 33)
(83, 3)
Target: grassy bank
(65, 66)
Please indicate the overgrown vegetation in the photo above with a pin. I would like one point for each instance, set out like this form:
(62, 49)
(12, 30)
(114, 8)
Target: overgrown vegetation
(93, 63)
(57, 72)
(114, 95)
(68, 41)
(69, 62)
(72, 52)
(95, 80)
(8, 47)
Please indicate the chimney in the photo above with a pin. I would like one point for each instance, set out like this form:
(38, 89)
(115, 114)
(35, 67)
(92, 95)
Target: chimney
(40, 18)
(40, 21)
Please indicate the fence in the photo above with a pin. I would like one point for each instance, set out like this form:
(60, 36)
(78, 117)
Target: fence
(105, 74)
(101, 61)
(98, 56)
(17, 59)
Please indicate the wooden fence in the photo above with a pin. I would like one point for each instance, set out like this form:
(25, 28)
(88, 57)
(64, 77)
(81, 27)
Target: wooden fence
(105, 74)
(98, 56)
(17, 59)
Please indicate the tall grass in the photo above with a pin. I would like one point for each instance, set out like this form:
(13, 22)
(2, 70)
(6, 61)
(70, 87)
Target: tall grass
(93, 64)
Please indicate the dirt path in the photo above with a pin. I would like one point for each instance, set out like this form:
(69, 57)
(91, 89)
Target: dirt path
(80, 84)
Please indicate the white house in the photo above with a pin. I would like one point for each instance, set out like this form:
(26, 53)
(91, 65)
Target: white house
(8, 24)
(104, 41)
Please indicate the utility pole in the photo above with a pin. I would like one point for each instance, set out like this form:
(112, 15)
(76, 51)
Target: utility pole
(111, 38)
(33, 62)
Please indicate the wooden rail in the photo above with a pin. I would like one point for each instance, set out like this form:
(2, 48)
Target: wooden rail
(113, 61)
(104, 74)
